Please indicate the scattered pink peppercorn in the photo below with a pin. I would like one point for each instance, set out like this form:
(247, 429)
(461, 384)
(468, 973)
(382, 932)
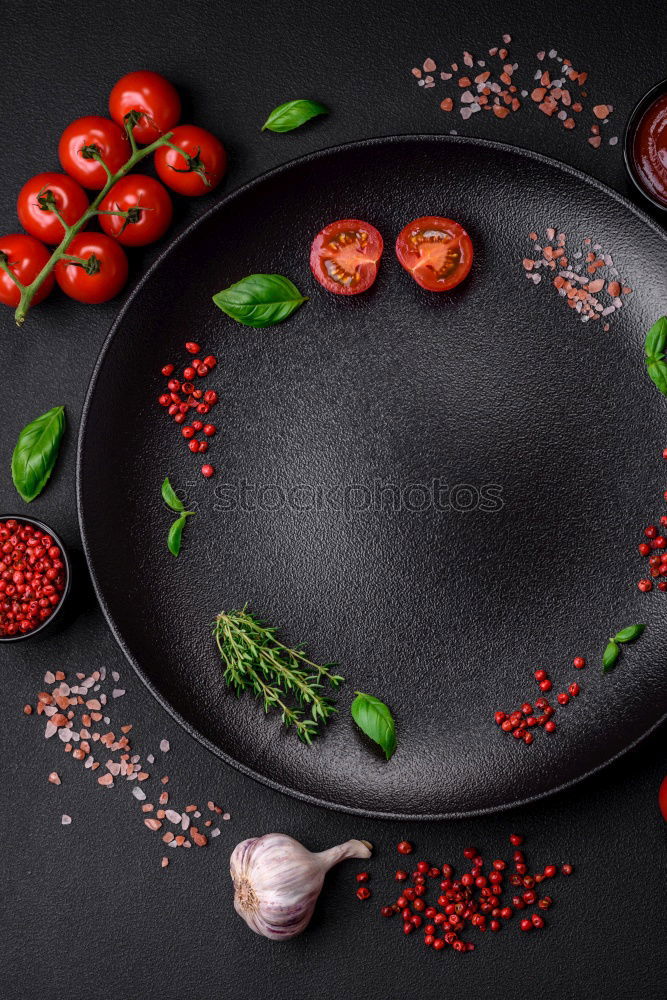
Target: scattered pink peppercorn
(404, 847)
(207, 471)
(579, 662)
(645, 586)
(192, 348)
(363, 892)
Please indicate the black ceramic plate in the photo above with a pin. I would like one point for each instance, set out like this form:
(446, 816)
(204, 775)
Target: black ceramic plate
(442, 611)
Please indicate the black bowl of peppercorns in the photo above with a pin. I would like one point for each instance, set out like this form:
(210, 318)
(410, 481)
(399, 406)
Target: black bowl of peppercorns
(35, 577)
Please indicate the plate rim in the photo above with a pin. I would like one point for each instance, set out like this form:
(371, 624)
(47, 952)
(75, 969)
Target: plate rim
(436, 138)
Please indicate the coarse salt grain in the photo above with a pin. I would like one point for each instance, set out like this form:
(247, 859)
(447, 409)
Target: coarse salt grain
(74, 729)
(65, 819)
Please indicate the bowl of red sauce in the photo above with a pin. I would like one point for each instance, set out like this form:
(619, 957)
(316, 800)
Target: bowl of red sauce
(35, 577)
(645, 146)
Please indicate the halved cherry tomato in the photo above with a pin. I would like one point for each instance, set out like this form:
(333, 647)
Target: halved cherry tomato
(109, 139)
(25, 257)
(105, 275)
(200, 170)
(150, 94)
(32, 205)
(662, 798)
(149, 207)
(345, 255)
(437, 252)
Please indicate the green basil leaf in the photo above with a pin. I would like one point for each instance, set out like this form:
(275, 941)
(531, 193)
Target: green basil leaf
(629, 634)
(657, 371)
(656, 339)
(175, 535)
(170, 498)
(36, 452)
(292, 114)
(610, 656)
(260, 299)
(375, 720)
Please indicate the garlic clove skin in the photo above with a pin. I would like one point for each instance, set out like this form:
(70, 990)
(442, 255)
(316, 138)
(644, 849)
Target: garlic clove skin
(277, 881)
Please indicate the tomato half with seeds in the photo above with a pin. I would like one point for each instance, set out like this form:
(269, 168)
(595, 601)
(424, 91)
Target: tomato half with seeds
(662, 799)
(437, 252)
(345, 255)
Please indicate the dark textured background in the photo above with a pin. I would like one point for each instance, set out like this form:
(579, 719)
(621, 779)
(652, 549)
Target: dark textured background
(86, 913)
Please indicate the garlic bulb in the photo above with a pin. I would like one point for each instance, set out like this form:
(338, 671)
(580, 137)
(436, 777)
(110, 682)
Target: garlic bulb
(277, 881)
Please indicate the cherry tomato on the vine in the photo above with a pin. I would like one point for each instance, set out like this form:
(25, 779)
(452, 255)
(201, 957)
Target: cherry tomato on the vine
(200, 170)
(93, 131)
(153, 96)
(149, 207)
(25, 257)
(106, 262)
(32, 205)
(345, 255)
(437, 252)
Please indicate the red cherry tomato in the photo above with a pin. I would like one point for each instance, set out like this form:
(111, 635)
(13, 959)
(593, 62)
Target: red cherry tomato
(34, 215)
(153, 96)
(345, 255)
(26, 257)
(662, 798)
(200, 170)
(110, 140)
(150, 209)
(109, 268)
(437, 252)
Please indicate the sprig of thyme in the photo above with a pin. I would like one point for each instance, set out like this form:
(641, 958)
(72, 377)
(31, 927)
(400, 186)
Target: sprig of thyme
(281, 677)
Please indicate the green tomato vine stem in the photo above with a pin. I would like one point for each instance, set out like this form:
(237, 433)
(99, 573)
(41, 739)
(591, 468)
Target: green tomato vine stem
(60, 252)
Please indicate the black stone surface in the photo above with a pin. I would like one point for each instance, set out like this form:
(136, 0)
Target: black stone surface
(442, 600)
(86, 911)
